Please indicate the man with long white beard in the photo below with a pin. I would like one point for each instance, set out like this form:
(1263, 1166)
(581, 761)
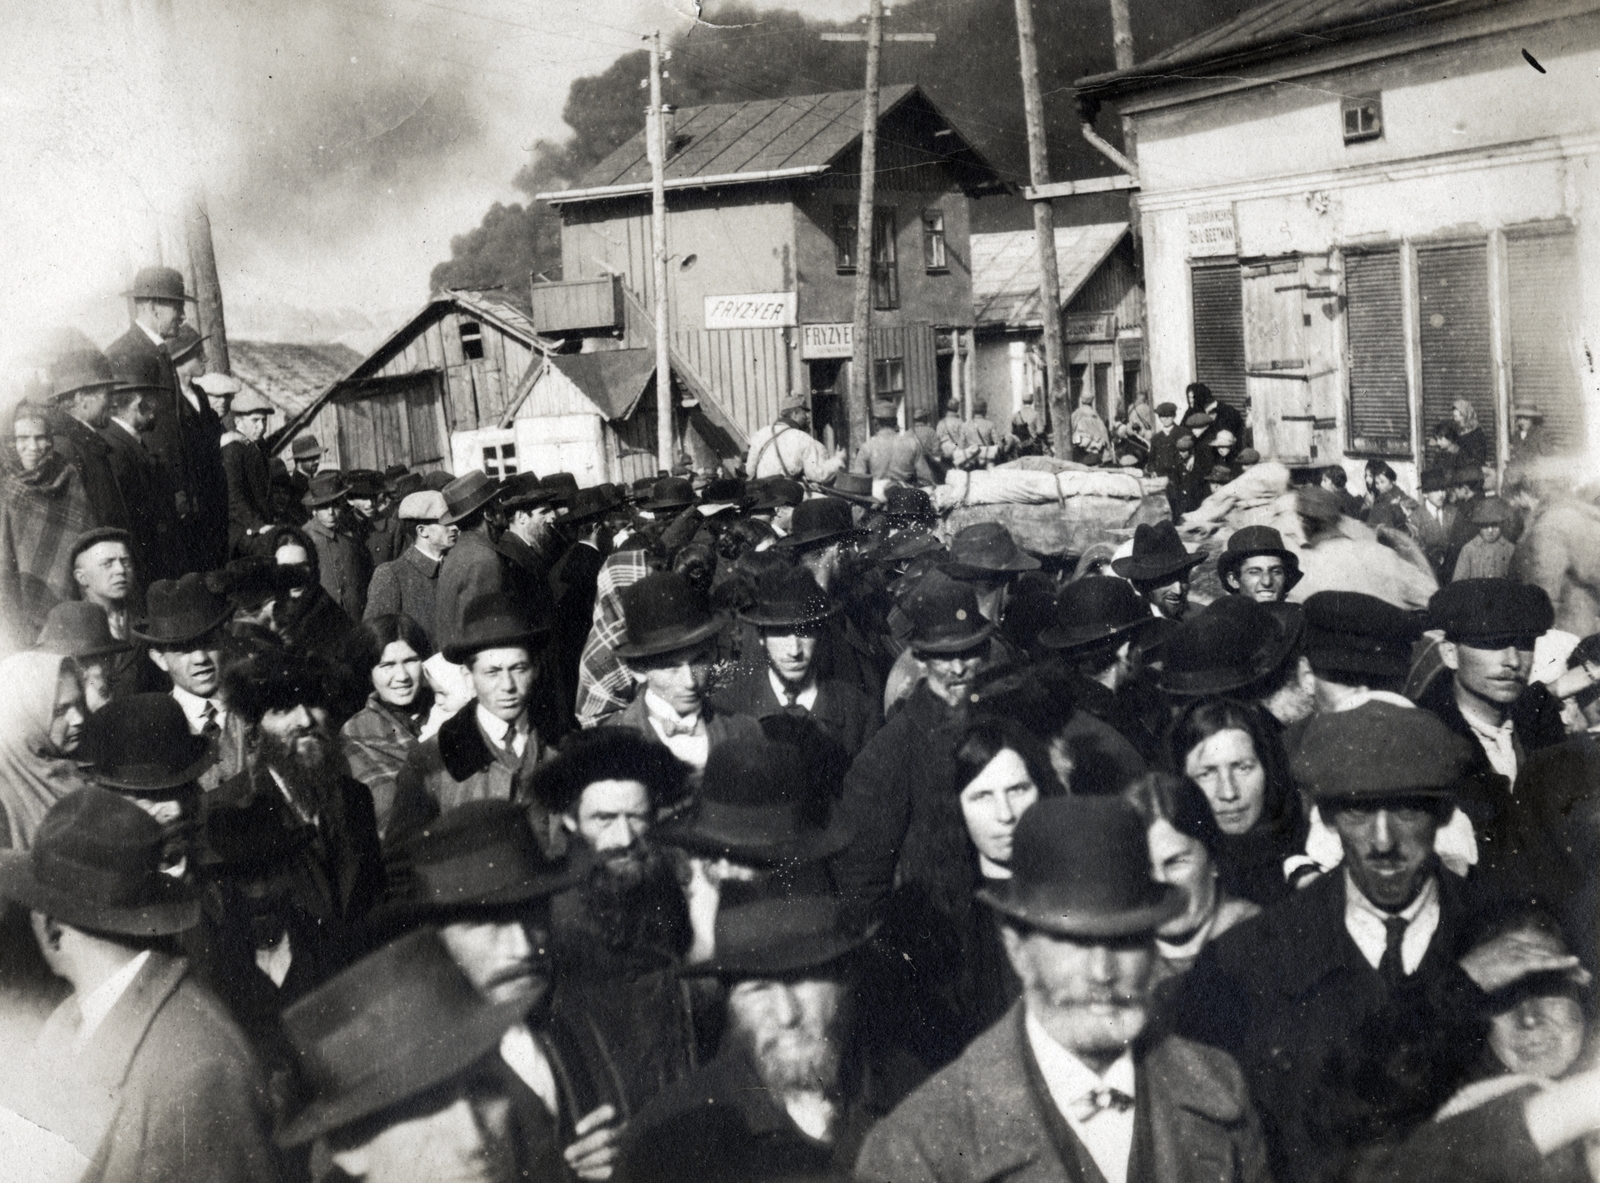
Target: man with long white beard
(1070, 1085)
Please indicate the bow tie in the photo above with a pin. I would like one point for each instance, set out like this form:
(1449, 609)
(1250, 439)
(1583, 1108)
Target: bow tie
(1098, 1100)
(675, 727)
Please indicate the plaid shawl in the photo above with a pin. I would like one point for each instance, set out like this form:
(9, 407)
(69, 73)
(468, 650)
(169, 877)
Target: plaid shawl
(604, 685)
(44, 512)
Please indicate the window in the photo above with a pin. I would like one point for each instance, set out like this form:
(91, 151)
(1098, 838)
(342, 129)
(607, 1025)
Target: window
(1453, 330)
(889, 377)
(844, 239)
(933, 240)
(472, 340)
(1380, 402)
(1363, 118)
(500, 460)
(1218, 300)
(885, 274)
(1542, 286)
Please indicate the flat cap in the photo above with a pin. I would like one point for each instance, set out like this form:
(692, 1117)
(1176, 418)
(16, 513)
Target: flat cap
(1166, 411)
(1379, 751)
(426, 506)
(218, 383)
(1491, 613)
(1491, 511)
(1352, 633)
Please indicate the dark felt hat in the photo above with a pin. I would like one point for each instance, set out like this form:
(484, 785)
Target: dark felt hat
(95, 864)
(363, 483)
(1491, 511)
(394, 1025)
(852, 486)
(663, 612)
(180, 611)
(903, 504)
(186, 344)
(986, 549)
(158, 283)
(325, 489)
(1351, 633)
(752, 808)
(250, 582)
(782, 936)
(1233, 643)
(670, 492)
(1080, 867)
(787, 596)
(775, 492)
(275, 680)
(563, 484)
(79, 630)
(608, 753)
(248, 840)
(524, 490)
(139, 371)
(1380, 751)
(1250, 541)
(1094, 610)
(305, 447)
(944, 616)
(726, 490)
(1491, 613)
(495, 622)
(465, 495)
(587, 504)
(438, 480)
(910, 544)
(142, 744)
(816, 520)
(1158, 555)
(80, 369)
(1436, 479)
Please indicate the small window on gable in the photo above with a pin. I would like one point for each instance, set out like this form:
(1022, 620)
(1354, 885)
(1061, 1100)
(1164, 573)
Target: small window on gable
(472, 340)
(1363, 118)
(500, 460)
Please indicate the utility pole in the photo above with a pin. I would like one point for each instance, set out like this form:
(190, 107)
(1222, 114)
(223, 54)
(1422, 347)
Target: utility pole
(1121, 34)
(861, 347)
(655, 136)
(208, 288)
(1044, 228)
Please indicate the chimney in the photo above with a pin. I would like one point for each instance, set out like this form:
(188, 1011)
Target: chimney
(669, 130)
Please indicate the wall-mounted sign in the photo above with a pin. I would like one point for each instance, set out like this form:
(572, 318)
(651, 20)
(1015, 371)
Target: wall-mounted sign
(764, 310)
(819, 341)
(1211, 231)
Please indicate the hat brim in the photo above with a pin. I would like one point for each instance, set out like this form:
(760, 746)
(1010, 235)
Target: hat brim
(458, 652)
(174, 910)
(110, 649)
(1124, 922)
(791, 957)
(312, 501)
(1229, 562)
(668, 644)
(954, 644)
(185, 298)
(1057, 638)
(1143, 571)
(762, 619)
(159, 782)
(790, 541)
(1192, 684)
(844, 495)
(658, 506)
(169, 641)
(959, 570)
(487, 494)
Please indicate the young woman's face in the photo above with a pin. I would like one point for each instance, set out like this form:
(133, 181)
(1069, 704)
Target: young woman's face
(1184, 862)
(398, 675)
(994, 801)
(1382, 483)
(1229, 772)
(33, 442)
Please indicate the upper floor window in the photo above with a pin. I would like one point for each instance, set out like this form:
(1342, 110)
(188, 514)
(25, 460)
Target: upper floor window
(933, 240)
(1363, 117)
(472, 340)
(885, 271)
(844, 238)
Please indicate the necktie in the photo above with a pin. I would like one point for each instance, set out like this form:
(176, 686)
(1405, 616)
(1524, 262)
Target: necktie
(208, 722)
(1097, 1101)
(791, 704)
(674, 727)
(510, 741)
(1391, 968)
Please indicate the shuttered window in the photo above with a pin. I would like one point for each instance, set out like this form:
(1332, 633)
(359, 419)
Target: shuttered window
(1380, 402)
(1453, 324)
(1542, 283)
(1219, 331)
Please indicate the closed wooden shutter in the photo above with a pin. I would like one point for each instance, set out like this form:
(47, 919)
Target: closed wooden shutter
(1542, 279)
(422, 414)
(1380, 402)
(1219, 331)
(1453, 319)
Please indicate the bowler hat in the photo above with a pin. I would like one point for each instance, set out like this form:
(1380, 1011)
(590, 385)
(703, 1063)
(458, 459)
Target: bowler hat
(774, 492)
(984, 549)
(158, 283)
(905, 504)
(1080, 867)
(80, 369)
(1491, 613)
(788, 596)
(1158, 555)
(396, 1024)
(524, 489)
(95, 864)
(587, 504)
(305, 447)
(1377, 751)
(1250, 541)
(670, 492)
(818, 519)
(325, 489)
(276, 680)
(852, 486)
(1352, 633)
(465, 495)
(251, 403)
(180, 611)
(944, 617)
(752, 808)
(423, 506)
(78, 629)
(493, 622)
(782, 936)
(1094, 610)
(663, 612)
(1491, 511)
(1233, 643)
(139, 371)
(142, 744)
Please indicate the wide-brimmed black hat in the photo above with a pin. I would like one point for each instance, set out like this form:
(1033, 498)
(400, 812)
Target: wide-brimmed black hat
(159, 283)
(781, 936)
(913, 542)
(466, 495)
(664, 612)
(79, 630)
(494, 622)
(816, 520)
(180, 611)
(852, 486)
(752, 808)
(523, 490)
(727, 490)
(1158, 555)
(588, 504)
(1352, 633)
(1232, 643)
(1491, 613)
(1080, 867)
(670, 492)
(903, 504)
(80, 369)
(1257, 540)
(325, 488)
(95, 864)
(984, 550)
(787, 596)
(563, 485)
(774, 492)
(1094, 610)
(363, 483)
(397, 1023)
(944, 616)
(142, 744)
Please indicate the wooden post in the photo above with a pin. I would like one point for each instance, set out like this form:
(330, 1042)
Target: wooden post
(208, 288)
(1121, 34)
(861, 348)
(1044, 229)
(958, 389)
(656, 138)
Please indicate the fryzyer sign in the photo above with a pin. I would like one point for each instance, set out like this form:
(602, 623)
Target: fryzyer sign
(764, 310)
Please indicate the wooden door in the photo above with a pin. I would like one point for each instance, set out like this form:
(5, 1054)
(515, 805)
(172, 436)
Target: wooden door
(1292, 375)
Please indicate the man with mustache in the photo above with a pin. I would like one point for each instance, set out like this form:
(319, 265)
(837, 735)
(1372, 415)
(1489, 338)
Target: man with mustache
(1074, 1083)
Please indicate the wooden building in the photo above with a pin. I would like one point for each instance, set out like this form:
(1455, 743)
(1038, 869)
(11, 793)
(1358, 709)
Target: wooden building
(761, 213)
(288, 375)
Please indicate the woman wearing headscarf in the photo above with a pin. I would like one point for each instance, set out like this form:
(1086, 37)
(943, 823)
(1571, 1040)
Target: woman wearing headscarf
(42, 511)
(1091, 442)
(41, 722)
(1472, 446)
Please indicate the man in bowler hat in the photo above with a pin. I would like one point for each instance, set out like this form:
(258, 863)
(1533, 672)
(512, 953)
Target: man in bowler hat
(146, 486)
(1255, 563)
(1075, 1083)
(143, 1070)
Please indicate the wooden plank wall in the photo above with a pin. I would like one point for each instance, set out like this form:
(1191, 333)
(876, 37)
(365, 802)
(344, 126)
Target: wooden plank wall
(748, 369)
(475, 390)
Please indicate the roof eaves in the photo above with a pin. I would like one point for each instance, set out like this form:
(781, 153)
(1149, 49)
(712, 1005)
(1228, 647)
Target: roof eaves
(604, 192)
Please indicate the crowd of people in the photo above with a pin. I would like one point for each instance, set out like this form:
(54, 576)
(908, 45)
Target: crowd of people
(411, 826)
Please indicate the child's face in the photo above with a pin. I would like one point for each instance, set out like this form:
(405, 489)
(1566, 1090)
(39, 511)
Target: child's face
(1489, 533)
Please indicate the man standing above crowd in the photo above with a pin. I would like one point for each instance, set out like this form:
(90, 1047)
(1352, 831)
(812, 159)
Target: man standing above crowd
(787, 449)
(891, 455)
(152, 511)
(472, 569)
(81, 382)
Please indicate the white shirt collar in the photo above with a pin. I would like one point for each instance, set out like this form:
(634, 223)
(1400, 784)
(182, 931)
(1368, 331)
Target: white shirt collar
(96, 1005)
(520, 1049)
(494, 727)
(1364, 921)
(156, 338)
(806, 698)
(691, 749)
(194, 707)
(1108, 1136)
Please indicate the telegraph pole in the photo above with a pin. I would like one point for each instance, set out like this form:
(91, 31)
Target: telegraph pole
(861, 348)
(1044, 228)
(208, 288)
(655, 136)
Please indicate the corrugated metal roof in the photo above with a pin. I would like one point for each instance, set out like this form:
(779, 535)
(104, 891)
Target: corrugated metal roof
(612, 379)
(289, 376)
(1005, 269)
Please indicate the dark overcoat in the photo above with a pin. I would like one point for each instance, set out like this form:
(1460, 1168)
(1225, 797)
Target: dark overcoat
(86, 450)
(249, 489)
(152, 511)
(472, 569)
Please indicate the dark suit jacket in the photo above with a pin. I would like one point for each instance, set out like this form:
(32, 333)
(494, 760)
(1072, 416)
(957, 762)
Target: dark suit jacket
(527, 577)
(719, 727)
(249, 489)
(84, 448)
(842, 711)
(152, 512)
(473, 568)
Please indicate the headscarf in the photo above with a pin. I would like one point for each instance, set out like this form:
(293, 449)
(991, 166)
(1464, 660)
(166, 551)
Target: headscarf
(33, 774)
(1469, 416)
